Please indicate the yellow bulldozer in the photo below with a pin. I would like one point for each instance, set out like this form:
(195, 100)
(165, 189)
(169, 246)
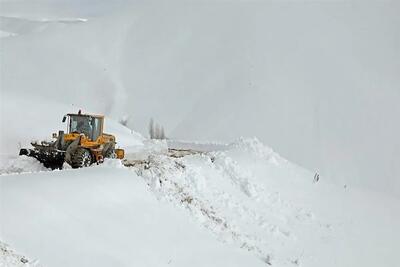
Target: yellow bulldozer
(84, 143)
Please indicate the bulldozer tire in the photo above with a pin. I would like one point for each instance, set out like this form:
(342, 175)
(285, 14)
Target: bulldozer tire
(110, 154)
(81, 158)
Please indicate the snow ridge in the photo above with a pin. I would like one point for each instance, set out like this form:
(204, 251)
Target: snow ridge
(225, 198)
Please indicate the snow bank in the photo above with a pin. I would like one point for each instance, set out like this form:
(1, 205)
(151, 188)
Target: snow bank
(21, 164)
(255, 150)
(104, 216)
(250, 197)
(253, 202)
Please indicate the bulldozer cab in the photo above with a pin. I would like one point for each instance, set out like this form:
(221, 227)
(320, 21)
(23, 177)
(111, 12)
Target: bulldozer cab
(89, 125)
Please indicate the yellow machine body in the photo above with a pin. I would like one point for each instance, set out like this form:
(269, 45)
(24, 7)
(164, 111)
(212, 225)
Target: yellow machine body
(83, 144)
(95, 146)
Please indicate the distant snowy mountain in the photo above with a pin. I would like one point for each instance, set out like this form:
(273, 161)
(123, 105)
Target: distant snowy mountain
(317, 81)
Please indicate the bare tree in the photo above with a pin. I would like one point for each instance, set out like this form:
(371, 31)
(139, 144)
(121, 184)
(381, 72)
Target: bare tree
(156, 131)
(162, 134)
(151, 129)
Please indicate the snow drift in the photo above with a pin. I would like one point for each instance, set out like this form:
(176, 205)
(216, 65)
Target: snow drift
(103, 216)
(250, 196)
(316, 81)
(240, 206)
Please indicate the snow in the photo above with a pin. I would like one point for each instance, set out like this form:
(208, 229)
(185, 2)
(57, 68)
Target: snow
(316, 82)
(4, 34)
(241, 206)
(37, 123)
(249, 196)
(8, 257)
(104, 216)
(21, 164)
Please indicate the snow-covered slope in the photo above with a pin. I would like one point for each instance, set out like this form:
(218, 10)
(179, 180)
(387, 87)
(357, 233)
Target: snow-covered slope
(250, 196)
(241, 206)
(317, 81)
(104, 216)
(9, 257)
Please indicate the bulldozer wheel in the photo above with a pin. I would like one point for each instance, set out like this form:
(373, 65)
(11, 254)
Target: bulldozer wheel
(81, 158)
(110, 154)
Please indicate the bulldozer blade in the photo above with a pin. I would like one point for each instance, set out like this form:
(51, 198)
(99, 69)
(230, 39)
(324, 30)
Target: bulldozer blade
(53, 159)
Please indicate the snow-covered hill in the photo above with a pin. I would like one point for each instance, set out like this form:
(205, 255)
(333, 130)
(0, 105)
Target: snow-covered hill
(104, 216)
(206, 70)
(317, 81)
(240, 206)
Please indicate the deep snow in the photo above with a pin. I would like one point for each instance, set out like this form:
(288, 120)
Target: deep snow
(317, 81)
(206, 71)
(257, 208)
(250, 196)
(104, 216)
